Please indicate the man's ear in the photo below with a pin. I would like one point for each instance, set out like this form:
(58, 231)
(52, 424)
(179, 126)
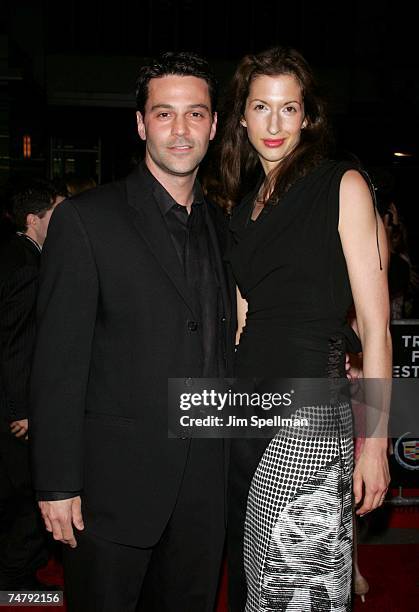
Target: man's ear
(213, 126)
(31, 220)
(140, 126)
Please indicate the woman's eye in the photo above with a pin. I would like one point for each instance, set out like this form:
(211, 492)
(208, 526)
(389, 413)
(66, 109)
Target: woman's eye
(290, 109)
(260, 107)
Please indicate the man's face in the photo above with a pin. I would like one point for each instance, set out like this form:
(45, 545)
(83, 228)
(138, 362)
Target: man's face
(177, 125)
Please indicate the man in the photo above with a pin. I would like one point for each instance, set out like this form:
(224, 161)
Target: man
(132, 292)
(22, 542)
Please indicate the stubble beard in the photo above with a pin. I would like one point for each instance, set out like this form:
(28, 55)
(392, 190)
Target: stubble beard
(169, 165)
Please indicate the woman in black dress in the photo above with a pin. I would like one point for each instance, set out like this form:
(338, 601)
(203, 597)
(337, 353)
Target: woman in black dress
(306, 244)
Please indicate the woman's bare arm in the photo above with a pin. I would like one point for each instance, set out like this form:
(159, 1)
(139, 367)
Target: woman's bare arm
(358, 234)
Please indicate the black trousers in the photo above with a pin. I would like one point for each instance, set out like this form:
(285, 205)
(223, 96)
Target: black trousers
(180, 573)
(22, 535)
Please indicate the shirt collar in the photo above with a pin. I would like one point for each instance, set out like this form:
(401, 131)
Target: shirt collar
(163, 197)
(36, 245)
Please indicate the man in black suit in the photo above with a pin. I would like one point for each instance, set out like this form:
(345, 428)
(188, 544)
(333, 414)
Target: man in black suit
(132, 292)
(22, 540)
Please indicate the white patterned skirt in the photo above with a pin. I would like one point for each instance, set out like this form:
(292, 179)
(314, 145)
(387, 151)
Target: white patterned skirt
(298, 530)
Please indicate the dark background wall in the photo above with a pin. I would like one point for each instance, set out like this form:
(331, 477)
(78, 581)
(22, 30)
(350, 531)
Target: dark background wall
(67, 73)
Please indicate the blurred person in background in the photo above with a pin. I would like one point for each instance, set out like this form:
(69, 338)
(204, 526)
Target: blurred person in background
(403, 280)
(22, 542)
(78, 184)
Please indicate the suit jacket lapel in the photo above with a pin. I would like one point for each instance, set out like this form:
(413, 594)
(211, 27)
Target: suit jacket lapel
(228, 289)
(215, 243)
(150, 224)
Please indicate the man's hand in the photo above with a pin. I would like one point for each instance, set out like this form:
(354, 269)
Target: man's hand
(60, 516)
(371, 474)
(19, 428)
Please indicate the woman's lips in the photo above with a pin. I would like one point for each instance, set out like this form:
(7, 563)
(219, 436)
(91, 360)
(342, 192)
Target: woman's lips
(273, 143)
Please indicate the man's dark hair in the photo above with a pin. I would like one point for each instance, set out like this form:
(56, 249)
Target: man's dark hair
(37, 197)
(183, 63)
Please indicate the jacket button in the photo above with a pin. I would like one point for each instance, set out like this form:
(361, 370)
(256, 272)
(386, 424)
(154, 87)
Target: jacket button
(192, 326)
(188, 382)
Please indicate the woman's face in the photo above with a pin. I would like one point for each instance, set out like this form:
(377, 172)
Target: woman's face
(274, 117)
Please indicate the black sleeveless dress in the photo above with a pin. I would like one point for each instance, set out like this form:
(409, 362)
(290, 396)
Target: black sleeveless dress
(290, 498)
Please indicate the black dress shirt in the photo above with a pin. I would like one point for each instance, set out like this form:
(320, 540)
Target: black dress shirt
(192, 243)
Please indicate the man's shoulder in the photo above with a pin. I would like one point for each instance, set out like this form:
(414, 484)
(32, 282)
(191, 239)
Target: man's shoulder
(14, 255)
(92, 207)
(103, 196)
(110, 197)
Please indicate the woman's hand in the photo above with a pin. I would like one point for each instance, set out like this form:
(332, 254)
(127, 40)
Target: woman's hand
(371, 475)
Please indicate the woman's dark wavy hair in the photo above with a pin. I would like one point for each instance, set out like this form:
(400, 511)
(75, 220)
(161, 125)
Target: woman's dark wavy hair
(237, 157)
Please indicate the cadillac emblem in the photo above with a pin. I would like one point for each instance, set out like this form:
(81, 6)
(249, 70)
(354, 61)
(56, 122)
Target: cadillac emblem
(406, 452)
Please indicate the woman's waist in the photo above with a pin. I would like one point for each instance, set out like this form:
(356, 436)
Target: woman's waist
(293, 323)
(318, 325)
(287, 350)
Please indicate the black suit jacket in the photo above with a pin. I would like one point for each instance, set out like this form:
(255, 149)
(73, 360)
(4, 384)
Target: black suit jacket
(19, 268)
(113, 313)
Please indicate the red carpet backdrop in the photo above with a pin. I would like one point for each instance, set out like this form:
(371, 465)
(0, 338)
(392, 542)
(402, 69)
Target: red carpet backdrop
(392, 571)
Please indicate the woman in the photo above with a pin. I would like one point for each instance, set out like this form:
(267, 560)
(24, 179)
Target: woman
(306, 243)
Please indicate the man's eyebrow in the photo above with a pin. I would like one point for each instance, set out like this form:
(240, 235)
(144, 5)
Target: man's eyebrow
(205, 106)
(190, 106)
(161, 106)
